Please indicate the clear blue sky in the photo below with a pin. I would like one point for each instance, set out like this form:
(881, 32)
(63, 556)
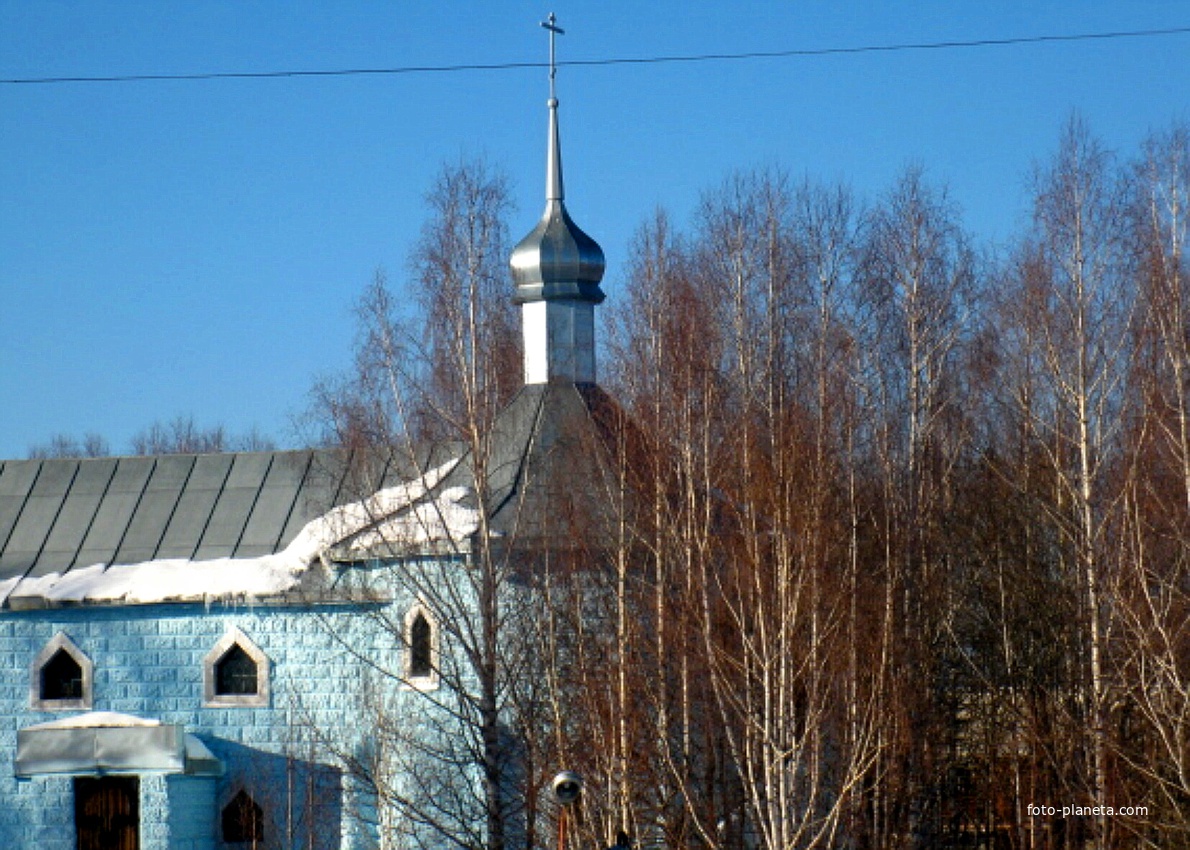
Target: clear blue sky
(195, 247)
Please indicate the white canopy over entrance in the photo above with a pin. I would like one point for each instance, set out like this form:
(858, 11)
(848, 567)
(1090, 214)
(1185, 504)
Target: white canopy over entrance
(97, 743)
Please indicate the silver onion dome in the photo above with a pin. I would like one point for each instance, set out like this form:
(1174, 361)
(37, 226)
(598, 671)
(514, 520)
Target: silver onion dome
(557, 260)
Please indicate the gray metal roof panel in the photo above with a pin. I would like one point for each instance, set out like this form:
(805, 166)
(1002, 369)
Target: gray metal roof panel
(249, 470)
(559, 477)
(10, 512)
(309, 503)
(227, 524)
(362, 474)
(38, 515)
(16, 480)
(17, 477)
(277, 500)
(94, 476)
(290, 467)
(78, 512)
(15, 564)
(234, 506)
(195, 506)
(320, 490)
(179, 472)
(170, 472)
(55, 478)
(188, 523)
(147, 526)
(509, 441)
(132, 474)
(70, 527)
(115, 511)
(32, 529)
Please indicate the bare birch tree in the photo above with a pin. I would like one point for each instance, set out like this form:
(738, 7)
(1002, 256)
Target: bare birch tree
(432, 371)
(737, 370)
(1154, 604)
(1081, 310)
(918, 293)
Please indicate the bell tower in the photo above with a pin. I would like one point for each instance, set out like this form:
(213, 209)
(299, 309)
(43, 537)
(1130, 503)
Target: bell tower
(557, 269)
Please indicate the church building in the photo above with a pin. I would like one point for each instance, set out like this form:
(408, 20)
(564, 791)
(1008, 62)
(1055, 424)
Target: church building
(191, 644)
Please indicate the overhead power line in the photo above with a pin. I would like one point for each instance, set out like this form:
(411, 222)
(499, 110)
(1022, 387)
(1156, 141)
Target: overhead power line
(624, 60)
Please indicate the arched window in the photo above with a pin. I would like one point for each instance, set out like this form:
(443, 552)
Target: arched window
(61, 677)
(421, 655)
(242, 820)
(235, 673)
(421, 648)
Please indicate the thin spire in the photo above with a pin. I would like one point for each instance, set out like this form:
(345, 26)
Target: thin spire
(553, 168)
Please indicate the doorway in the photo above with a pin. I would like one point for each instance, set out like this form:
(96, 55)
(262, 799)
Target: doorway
(107, 813)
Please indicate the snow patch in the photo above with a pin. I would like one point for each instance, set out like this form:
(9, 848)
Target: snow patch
(443, 518)
(98, 720)
(7, 586)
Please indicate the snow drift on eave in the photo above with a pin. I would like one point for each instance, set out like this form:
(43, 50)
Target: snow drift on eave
(404, 517)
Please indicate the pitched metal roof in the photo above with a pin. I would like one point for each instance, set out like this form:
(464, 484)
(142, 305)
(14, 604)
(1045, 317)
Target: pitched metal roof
(547, 454)
(64, 514)
(60, 514)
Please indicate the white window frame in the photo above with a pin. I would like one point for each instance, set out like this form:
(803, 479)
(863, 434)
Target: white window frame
(61, 642)
(235, 637)
(428, 681)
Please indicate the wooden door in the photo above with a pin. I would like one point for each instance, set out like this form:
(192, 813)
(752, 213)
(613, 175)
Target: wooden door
(107, 813)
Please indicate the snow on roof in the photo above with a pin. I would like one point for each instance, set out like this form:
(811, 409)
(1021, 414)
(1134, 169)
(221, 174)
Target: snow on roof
(446, 517)
(98, 720)
(399, 517)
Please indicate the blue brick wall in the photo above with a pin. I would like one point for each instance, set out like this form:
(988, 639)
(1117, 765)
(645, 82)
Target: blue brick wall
(37, 813)
(190, 807)
(154, 812)
(148, 661)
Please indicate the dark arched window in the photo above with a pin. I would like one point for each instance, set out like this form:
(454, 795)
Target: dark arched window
(235, 673)
(421, 647)
(62, 677)
(243, 820)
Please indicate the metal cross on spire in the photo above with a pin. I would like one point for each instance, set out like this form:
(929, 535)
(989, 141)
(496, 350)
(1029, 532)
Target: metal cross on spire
(552, 25)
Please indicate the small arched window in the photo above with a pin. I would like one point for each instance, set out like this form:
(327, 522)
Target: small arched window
(236, 673)
(421, 648)
(242, 820)
(61, 677)
(421, 655)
